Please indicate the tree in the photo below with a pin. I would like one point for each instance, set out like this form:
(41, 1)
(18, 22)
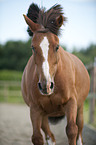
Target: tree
(14, 55)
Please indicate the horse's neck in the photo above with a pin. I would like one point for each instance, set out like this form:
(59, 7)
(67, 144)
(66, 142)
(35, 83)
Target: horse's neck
(64, 61)
(61, 59)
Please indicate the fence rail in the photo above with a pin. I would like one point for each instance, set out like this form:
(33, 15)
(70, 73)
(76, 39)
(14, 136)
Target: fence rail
(10, 83)
(10, 91)
(91, 95)
(92, 69)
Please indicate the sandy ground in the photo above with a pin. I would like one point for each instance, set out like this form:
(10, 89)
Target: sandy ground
(15, 127)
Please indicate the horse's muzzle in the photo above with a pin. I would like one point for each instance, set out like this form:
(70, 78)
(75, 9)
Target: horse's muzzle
(46, 88)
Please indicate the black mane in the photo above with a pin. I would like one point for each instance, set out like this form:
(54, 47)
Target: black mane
(45, 18)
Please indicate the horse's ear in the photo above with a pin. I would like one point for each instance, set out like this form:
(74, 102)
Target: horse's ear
(59, 20)
(33, 26)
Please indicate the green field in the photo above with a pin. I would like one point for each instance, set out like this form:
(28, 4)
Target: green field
(10, 86)
(8, 75)
(10, 91)
(86, 113)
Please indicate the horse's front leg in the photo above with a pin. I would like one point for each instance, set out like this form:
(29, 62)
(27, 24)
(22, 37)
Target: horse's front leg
(71, 128)
(80, 125)
(50, 139)
(36, 119)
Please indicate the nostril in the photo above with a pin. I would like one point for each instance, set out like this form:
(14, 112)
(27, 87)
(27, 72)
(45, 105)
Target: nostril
(39, 85)
(52, 85)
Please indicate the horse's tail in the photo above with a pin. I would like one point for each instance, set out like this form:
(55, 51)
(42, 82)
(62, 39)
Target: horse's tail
(55, 120)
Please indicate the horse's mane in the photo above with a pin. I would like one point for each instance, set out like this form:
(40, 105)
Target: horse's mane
(47, 19)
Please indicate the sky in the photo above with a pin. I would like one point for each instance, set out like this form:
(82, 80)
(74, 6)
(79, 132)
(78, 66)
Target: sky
(78, 32)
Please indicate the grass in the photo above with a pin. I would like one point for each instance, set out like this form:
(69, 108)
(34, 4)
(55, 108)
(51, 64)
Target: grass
(10, 75)
(86, 114)
(10, 86)
(12, 99)
(11, 94)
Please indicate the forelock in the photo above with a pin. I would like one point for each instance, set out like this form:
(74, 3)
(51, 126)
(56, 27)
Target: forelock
(47, 19)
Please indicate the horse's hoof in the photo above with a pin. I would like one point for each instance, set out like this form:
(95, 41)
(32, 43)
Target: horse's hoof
(50, 142)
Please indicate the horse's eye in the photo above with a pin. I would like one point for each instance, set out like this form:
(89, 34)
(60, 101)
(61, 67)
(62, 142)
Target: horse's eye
(33, 48)
(57, 47)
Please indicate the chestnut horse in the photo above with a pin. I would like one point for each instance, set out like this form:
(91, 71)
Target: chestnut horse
(54, 83)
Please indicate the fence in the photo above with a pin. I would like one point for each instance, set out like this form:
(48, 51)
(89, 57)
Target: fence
(92, 95)
(10, 91)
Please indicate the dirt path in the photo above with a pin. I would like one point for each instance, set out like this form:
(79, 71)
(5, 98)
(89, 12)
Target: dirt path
(15, 127)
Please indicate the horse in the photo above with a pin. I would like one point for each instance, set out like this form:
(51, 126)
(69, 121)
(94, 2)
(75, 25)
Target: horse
(55, 83)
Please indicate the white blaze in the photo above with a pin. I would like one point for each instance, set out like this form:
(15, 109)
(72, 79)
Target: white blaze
(45, 48)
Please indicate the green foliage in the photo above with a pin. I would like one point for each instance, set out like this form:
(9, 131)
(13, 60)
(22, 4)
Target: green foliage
(10, 75)
(86, 55)
(14, 55)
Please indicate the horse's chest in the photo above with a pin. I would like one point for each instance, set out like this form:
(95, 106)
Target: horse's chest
(51, 105)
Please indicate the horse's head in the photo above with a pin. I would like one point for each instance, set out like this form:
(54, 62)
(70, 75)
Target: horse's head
(45, 49)
(45, 45)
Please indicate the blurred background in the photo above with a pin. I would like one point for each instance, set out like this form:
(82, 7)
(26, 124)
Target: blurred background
(78, 36)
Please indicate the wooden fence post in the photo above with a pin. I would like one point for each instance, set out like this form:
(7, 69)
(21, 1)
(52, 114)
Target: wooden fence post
(93, 90)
